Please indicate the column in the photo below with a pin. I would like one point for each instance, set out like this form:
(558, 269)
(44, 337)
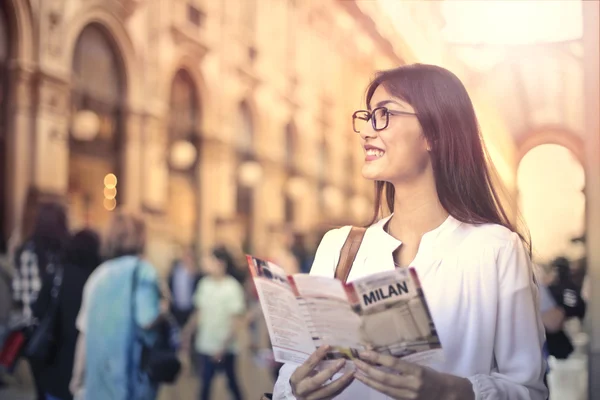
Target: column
(592, 170)
(18, 148)
(51, 132)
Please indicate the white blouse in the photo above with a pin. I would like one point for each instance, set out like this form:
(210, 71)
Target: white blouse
(479, 285)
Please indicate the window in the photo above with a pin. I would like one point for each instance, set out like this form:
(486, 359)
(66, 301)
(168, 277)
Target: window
(98, 85)
(183, 186)
(183, 116)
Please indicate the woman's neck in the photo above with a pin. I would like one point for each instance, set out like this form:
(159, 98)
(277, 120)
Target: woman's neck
(417, 210)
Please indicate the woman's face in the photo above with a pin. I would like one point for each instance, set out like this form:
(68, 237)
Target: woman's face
(399, 152)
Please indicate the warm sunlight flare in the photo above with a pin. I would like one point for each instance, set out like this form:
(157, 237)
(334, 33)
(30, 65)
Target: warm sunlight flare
(511, 22)
(551, 182)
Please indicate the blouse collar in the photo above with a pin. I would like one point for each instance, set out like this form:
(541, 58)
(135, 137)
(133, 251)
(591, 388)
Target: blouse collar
(428, 240)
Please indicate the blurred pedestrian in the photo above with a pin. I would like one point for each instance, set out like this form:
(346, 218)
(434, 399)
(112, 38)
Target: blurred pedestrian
(82, 256)
(183, 280)
(119, 314)
(219, 308)
(35, 262)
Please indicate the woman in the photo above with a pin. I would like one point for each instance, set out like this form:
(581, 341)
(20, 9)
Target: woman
(35, 262)
(81, 257)
(113, 323)
(424, 151)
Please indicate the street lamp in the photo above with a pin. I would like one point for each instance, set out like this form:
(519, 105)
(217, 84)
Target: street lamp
(183, 154)
(250, 173)
(85, 125)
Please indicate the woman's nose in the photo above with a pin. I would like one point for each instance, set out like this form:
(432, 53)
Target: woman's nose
(367, 132)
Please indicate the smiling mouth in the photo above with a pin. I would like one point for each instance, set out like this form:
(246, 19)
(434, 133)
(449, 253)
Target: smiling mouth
(374, 153)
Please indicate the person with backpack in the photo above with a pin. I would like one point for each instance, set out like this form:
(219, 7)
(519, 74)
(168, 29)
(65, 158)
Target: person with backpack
(37, 260)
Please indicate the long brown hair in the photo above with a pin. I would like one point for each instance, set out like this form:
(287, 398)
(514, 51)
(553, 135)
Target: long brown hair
(458, 156)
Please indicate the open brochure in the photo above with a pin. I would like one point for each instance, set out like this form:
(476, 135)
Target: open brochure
(384, 312)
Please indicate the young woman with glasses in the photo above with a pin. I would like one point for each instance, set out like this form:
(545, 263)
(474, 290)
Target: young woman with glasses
(423, 150)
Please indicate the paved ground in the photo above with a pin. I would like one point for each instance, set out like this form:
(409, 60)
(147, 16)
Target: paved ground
(254, 382)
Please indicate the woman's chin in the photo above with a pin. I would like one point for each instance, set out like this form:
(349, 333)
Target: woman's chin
(370, 173)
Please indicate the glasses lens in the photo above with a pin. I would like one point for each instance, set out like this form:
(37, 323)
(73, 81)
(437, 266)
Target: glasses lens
(380, 118)
(360, 120)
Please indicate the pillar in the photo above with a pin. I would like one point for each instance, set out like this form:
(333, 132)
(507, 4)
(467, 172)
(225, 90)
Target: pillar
(18, 149)
(592, 170)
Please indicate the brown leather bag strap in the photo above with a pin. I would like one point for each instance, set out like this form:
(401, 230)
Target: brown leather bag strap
(348, 253)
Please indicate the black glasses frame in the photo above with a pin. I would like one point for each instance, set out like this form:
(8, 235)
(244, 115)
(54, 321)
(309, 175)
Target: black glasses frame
(369, 116)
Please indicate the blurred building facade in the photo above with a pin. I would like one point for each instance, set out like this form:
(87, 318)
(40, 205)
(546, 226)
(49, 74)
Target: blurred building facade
(186, 110)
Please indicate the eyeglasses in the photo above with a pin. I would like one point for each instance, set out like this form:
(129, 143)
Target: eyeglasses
(379, 117)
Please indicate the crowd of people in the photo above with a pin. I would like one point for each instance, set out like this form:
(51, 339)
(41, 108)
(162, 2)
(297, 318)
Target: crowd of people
(107, 305)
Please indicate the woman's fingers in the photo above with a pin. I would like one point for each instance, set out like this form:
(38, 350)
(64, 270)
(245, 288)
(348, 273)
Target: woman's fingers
(309, 385)
(310, 364)
(390, 362)
(387, 379)
(333, 389)
(391, 391)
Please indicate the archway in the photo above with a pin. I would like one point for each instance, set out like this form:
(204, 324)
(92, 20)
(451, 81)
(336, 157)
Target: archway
(184, 122)
(551, 181)
(97, 101)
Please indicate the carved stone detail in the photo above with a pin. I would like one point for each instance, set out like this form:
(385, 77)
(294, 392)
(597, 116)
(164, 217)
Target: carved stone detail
(53, 95)
(52, 28)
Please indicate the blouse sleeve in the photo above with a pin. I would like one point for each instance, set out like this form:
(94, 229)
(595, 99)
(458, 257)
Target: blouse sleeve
(324, 265)
(519, 332)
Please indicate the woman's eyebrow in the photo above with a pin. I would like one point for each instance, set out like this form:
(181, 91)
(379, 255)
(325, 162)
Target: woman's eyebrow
(386, 102)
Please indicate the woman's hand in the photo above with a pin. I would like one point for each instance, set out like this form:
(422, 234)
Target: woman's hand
(410, 381)
(307, 384)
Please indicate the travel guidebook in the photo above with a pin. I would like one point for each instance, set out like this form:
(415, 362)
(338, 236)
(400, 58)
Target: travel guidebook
(385, 312)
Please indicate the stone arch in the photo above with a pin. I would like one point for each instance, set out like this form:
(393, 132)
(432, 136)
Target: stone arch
(550, 135)
(120, 39)
(20, 24)
(187, 64)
